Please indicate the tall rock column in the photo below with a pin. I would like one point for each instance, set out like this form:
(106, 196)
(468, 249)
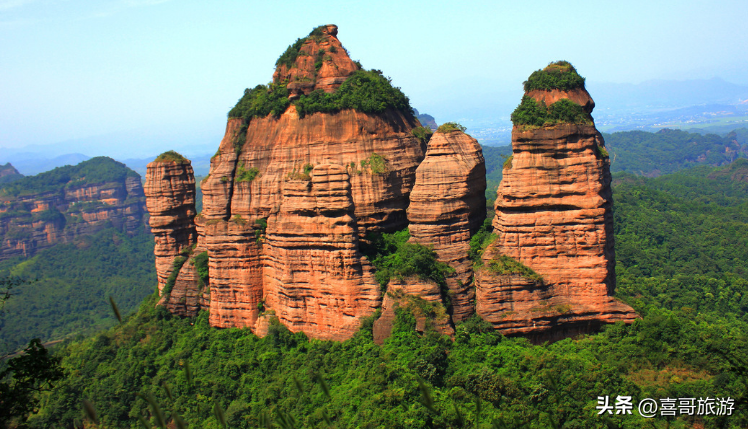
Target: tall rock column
(554, 215)
(170, 198)
(447, 206)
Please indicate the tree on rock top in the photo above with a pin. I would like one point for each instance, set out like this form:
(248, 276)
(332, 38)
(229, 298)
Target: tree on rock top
(170, 156)
(316, 75)
(557, 75)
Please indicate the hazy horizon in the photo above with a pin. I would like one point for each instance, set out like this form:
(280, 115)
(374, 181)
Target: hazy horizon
(168, 71)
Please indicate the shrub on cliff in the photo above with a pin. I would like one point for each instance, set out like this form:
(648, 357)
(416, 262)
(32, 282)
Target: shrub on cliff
(480, 240)
(422, 133)
(261, 101)
(170, 156)
(559, 75)
(394, 256)
(244, 174)
(536, 114)
(448, 127)
(506, 265)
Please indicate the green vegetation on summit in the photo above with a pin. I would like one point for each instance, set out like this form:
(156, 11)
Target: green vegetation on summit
(557, 75)
(288, 58)
(564, 111)
(560, 75)
(448, 127)
(366, 91)
(170, 156)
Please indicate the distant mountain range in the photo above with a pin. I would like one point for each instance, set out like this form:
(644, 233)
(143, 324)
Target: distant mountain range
(697, 105)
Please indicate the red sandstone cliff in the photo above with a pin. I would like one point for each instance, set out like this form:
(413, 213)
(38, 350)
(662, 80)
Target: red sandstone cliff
(289, 199)
(315, 278)
(447, 206)
(553, 214)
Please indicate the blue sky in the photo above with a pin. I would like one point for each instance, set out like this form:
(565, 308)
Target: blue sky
(170, 70)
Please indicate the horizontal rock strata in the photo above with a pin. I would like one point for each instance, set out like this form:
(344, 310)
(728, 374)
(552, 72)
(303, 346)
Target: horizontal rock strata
(170, 197)
(553, 214)
(447, 206)
(316, 280)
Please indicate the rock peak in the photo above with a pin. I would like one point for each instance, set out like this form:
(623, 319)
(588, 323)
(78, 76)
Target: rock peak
(330, 29)
(558, 80)
(318, 61)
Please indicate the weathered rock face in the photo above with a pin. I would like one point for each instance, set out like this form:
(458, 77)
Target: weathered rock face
(553, 214)
(34, 217)
(321, 63)
(170, 197)
(447, 206)
(579, 96)
(279, 148)
(316, 279)
(235, 272)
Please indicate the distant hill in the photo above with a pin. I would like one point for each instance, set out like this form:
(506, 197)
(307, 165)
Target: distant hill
(77, 235)
(68, 202)
(426, 120)
(659, 93)
(668, 151)
(34, 163)
(9, 174)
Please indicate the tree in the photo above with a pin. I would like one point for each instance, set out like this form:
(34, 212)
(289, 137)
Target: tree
(35, 370)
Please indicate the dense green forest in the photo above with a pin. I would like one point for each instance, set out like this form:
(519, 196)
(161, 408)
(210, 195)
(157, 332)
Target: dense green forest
(70, 284)
(681, 243)
(495, 157)
(668, 151)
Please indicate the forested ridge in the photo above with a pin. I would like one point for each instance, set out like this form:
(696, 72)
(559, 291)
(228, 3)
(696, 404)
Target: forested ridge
(681, 243)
